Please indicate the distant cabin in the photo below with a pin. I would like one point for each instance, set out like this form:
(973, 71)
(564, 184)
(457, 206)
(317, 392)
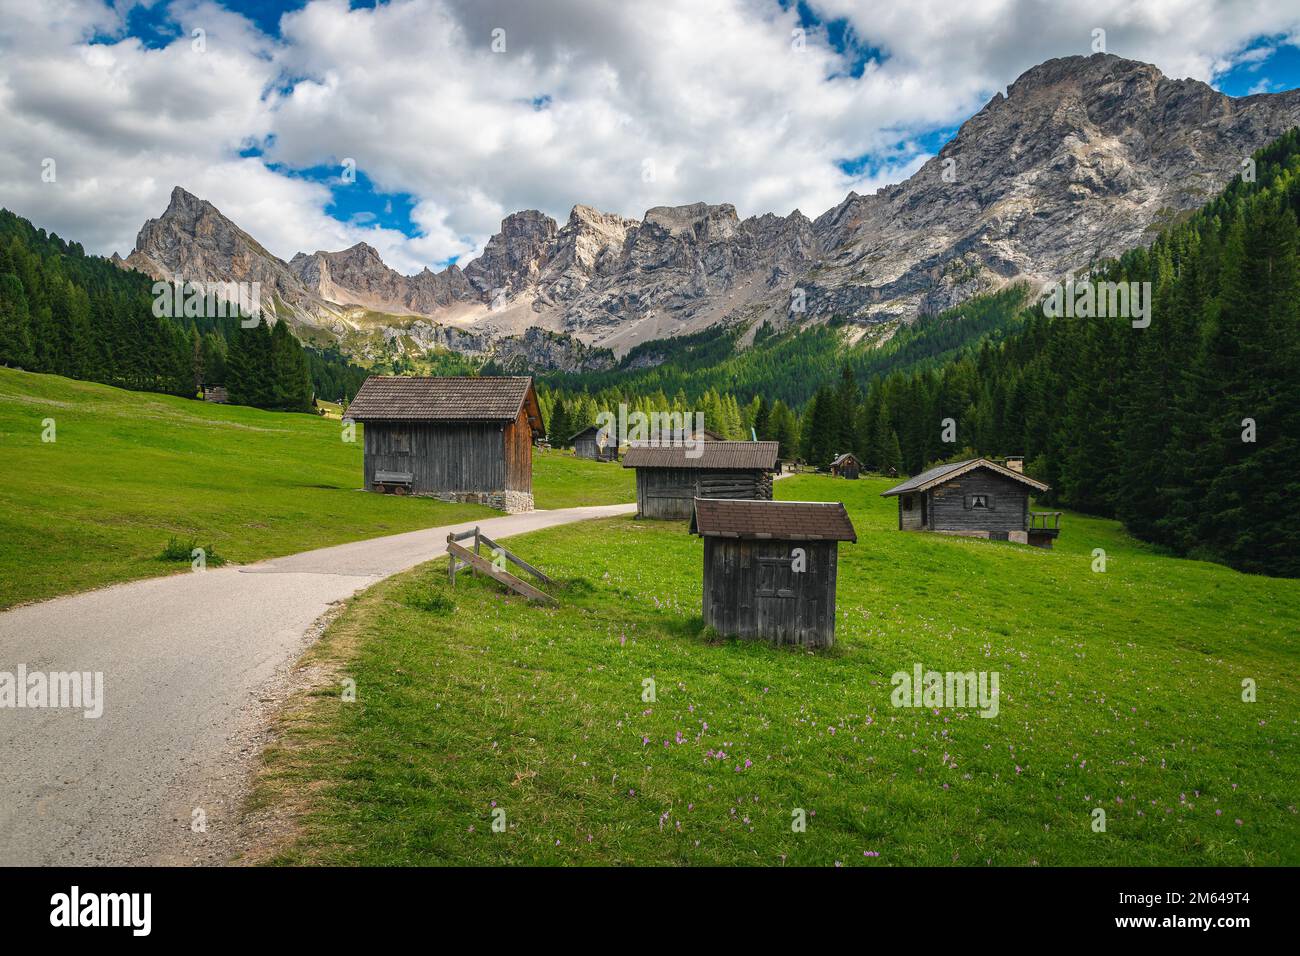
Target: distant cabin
(670, 477)
(770, 567)
(978, 498)
(215, 393)
(588, 444)
(458, 439)
(846, 466)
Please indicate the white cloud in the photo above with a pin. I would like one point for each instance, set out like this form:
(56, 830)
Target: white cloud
(586, 98)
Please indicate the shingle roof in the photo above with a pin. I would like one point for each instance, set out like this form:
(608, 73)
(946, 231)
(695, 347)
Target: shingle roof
(844, 457)
(778, 520)
(942, 473)
(414, 398)
(741, 455)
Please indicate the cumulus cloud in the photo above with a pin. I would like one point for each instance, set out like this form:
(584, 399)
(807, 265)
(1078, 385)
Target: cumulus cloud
(477, 108)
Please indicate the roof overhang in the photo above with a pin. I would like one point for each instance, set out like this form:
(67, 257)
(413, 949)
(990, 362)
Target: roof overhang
(906, 488)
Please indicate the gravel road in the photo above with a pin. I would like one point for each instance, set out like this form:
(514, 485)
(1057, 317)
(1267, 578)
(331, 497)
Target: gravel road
(192, 665)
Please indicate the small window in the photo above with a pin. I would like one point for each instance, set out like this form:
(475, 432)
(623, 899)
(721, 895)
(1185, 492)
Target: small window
(399, 442)
(907, 502)
(979, 502)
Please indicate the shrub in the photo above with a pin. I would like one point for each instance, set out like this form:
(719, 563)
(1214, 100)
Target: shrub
(178, 550)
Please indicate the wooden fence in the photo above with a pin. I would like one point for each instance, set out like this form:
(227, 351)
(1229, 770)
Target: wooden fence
(460, 558)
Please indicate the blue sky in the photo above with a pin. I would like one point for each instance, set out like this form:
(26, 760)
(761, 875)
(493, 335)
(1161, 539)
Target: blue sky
(621, 106)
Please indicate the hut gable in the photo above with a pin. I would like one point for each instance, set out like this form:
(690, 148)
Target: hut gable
(770, 567)
(846, 466)
(943, 473)
(976, 497)
(460, 439)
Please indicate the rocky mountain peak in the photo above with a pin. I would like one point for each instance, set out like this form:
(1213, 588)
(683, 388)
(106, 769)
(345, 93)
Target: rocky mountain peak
(1080, 158)
(705, 222)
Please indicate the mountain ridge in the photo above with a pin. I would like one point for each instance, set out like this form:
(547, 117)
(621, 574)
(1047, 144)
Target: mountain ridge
(1078, 161)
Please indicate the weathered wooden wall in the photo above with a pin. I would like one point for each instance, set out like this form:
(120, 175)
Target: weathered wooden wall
(669, 493)
(751, 590)
(911, 519)
(517, 440)
(585, 447)
(1010, 500)
(443, 458)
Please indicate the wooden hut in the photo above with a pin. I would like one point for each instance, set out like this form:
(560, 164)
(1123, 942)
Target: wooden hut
(216, 393)
(592, 443)
(670, 477)
(770, 567)
(458, 439)
(846, 466)
(977, 498)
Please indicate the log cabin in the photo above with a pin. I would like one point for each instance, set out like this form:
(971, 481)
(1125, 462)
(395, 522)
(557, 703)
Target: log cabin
(588, 444)
(455, 438)
(770, 567)
(670, 477)
(975, 498)
(846, 466)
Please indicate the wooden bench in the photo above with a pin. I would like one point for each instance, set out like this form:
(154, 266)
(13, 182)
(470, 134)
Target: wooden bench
(394, 481)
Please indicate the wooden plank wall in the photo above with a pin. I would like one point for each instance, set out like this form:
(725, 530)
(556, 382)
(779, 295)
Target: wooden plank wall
(517, 441)
(948, 511)
(669, 493)
(751, 591)
(910, 520)
(441, 457)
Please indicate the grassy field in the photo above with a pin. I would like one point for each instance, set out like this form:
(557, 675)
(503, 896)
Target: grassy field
(128, 470)
(1120, 691)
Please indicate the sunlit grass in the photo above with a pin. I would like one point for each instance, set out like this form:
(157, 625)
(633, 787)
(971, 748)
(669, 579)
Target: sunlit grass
(1120, 690)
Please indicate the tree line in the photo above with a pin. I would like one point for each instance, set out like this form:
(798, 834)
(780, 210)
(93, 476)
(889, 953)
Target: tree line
(67, 313)
(1187, 430)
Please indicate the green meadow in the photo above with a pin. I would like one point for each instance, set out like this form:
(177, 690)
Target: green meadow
(488, 731)
(127, 471)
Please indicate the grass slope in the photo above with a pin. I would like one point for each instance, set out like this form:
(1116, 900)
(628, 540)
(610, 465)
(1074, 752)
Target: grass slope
(129, 469)
(1120, 690)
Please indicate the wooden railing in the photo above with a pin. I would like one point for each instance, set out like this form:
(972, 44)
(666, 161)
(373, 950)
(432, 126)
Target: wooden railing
(460, 558)
(1045, 520)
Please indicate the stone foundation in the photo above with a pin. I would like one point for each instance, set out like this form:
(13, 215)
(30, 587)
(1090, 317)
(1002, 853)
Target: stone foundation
(511, 502)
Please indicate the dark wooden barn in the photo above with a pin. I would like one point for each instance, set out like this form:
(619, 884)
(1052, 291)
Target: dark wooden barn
(978, 498)
(846, 466)
(770, 567)
(669, 478)
(459, 439)
(588, 444)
